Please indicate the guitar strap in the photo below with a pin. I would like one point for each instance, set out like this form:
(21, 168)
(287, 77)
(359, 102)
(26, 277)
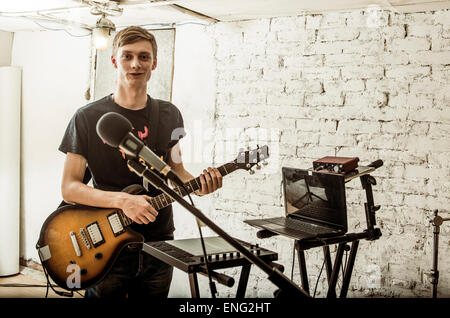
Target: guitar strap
(153, 131)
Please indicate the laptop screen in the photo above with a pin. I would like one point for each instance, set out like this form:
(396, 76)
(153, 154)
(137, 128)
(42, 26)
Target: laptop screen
(316, 196)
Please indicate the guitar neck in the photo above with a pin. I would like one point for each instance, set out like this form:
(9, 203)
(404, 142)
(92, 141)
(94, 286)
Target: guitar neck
(162, 200)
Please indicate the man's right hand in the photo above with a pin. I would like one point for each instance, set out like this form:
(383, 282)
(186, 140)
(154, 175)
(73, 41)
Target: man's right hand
(138, 208)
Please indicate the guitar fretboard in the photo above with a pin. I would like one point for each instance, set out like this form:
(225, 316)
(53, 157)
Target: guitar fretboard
(162, 200)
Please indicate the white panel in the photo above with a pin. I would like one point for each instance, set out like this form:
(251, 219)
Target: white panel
(10, 87)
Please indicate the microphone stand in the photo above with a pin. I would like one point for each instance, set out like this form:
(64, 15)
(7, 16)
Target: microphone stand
(287, 287)
(437, 222)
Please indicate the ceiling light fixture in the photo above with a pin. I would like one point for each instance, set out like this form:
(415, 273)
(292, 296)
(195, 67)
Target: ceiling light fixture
(102, 32)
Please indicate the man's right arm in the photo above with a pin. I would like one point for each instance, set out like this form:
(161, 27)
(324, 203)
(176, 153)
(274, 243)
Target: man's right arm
(136, 207)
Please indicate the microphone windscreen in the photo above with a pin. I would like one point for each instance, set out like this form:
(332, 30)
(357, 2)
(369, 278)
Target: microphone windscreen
(112, 128)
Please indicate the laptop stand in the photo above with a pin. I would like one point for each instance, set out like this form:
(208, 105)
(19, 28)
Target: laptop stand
(332, 270)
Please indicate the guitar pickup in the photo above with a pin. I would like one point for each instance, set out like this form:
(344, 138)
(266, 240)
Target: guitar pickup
(116, 223)
(95, 234)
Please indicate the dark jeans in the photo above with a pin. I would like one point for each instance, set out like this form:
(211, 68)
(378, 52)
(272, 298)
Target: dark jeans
(135, 274)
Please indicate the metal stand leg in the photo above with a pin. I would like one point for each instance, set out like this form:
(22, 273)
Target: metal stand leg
(243, 280)
(349, 269)
(193, 283)
(302, 267)
(328, 266)
(335, 273)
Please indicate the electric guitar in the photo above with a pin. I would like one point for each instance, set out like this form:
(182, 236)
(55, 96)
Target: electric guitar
(78, 244)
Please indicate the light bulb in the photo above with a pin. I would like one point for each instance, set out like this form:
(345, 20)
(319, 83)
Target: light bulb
(101, 38)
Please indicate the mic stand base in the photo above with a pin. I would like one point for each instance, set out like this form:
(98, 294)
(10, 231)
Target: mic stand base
(274, 275)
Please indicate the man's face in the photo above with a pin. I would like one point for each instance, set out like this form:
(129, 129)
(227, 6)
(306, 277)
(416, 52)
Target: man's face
(135, 63)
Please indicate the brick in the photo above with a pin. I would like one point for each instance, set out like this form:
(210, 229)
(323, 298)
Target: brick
(324, 99)
(441, 43)
(418, 18)
(320, 73)
(387, 58)
(382, 33)
(280, 75)
(424, 31)
(439, 130)
(295, 36)
(287, 23)
(423, 86)
(310, 86)
(362, 72)
(430, 58)
(292, 99)
(422, 144)
(367, 99)
(388, 142)
(394, 127)
(436, 116)
(284, 48)
(337, 140)
(391, 86)
(408, 72)
(304, 60)
(441, 74)
(356, 18)
(358, 127)
(313, 21)
(442, 17)
(333, 20)
(374, 47)
(315, 125)
(325, 47)
(345, 86)
(337, 34)
(343, 59)
(409, 44)
(235, 62)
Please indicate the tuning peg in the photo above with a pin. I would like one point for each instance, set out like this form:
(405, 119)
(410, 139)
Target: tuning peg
(251, 171)
(258, 167)
(265, 163)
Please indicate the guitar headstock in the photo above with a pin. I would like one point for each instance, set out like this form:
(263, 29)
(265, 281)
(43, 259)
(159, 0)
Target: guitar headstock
(248, 159)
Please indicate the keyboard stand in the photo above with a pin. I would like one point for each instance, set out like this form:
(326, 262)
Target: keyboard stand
(184, 255)
(332, 270)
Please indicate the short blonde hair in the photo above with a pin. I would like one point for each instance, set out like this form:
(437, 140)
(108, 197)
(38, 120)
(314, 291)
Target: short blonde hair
(133, 34)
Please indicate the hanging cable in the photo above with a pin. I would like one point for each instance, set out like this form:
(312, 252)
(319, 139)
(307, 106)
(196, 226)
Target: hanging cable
(212, 285)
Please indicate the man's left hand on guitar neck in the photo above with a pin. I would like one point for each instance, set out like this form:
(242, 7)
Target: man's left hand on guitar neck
(210, 179)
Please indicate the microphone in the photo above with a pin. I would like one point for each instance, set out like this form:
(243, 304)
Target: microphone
(115, 130)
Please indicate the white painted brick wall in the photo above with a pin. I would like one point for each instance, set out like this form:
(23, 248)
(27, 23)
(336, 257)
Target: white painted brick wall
(345, 84)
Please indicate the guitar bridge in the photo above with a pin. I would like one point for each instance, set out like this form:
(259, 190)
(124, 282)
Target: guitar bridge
(116, 223)
(95, 234)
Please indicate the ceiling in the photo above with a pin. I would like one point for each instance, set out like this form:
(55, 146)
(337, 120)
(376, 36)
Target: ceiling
(27, 15)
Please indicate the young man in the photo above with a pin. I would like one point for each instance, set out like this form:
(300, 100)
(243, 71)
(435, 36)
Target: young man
(134, 273)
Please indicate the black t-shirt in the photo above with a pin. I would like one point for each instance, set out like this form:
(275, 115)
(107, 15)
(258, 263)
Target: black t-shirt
(108, 165)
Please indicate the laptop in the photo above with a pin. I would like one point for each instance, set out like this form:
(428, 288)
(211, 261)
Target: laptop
(315, 206)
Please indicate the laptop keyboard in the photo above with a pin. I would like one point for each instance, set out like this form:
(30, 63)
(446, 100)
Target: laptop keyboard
(299, 226)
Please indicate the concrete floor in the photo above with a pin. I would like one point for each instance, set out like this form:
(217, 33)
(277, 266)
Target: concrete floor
(30, 277)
